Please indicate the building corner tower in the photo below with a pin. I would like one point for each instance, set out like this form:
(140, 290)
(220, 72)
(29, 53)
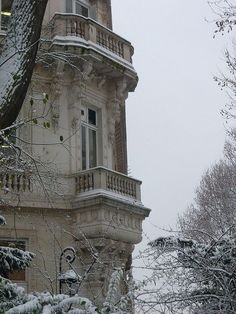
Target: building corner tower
(79, 195)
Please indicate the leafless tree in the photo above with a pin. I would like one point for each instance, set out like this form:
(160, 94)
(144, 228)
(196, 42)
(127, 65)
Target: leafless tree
(189, 277)
(225, 21)
(214, 208)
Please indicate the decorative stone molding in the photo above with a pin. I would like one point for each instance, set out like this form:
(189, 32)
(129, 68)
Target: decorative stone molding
(122, 90)
(109, 218)
(101, 81)
(56, 88)
(87, 70)
(113, 116)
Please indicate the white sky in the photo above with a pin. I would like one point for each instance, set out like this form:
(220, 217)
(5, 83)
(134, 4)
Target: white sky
(175, 131)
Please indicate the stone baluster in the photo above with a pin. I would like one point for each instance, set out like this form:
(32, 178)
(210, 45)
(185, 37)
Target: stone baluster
(19, 183)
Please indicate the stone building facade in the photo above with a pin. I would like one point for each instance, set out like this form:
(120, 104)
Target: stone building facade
(76, 193)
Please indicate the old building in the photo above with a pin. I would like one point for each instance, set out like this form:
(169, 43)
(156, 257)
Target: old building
(75, 191)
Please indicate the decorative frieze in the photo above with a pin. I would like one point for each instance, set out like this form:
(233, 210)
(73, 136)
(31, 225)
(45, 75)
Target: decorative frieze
(109, 222)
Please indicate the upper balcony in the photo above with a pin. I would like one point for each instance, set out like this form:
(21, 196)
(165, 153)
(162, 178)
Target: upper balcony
(84, 35)
(78, 31)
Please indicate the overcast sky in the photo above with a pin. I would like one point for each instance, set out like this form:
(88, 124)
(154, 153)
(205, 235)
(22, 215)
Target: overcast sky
(175, 131)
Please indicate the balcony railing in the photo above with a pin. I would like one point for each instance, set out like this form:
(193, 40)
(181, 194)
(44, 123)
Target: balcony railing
(90, 182)
(102, 179)
(16, 183)
(92, 32)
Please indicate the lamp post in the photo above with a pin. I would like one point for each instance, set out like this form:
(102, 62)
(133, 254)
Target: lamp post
(70, 276)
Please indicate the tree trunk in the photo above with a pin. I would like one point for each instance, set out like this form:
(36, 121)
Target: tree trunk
(18, 56)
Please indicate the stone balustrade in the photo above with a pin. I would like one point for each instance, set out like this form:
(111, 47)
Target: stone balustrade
(100, 178)
(87, 182)
(12, 182)
(92, 32)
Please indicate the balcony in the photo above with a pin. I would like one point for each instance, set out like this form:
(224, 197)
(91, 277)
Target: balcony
(76, 30)
(102, 202)
(100, 180)
(85, 184)
(107, 204)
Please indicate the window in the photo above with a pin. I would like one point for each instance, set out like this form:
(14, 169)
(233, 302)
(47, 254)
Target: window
(19, 244)
(77, 7)
(89, 138)
(5, 13)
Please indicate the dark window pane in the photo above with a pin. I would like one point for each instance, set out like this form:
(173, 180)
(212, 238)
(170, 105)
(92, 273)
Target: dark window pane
(5, 13)
(92, 149)
(6, 5)
(92, 117)
(84, 11)
(83, 136)
(78, 8)
(69, 7)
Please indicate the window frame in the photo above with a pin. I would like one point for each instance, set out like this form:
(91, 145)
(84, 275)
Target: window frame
(81, 3)
(88, 127)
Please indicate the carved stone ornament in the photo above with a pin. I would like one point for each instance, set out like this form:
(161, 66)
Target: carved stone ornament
(87, 70)
(74, 96)
(113, 116)
(101, 80)
(75, 123)
(122, 90)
